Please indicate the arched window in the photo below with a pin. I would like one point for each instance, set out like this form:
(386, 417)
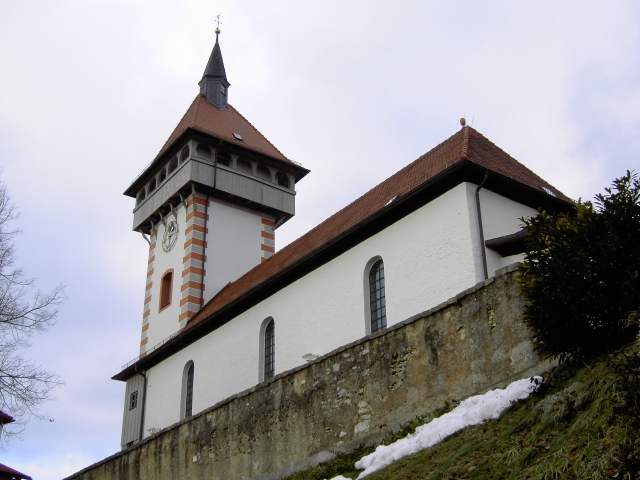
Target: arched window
(375, 301)
(203, 150)
(244, 166)
(267, 349)
(223, 158)
(166, 287)
(173, 164)
(184, 153)
(186, 403)
(282, 179)
(263, 172)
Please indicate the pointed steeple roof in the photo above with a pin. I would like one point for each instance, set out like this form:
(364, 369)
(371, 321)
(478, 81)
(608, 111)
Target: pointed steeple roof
(215, 66)
(214, 84)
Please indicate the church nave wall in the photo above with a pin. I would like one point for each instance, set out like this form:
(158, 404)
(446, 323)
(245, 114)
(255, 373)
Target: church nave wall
(326, 308)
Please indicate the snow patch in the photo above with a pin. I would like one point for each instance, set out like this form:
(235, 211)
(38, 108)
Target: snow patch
(471, 411)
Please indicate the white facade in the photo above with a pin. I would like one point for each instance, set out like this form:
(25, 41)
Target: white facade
(233, 244)
(429, 256)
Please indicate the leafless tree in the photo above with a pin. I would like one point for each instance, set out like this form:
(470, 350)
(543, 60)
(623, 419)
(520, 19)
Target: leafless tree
(23, 311)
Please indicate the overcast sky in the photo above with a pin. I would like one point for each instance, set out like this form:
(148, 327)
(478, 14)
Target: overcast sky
(90, 90)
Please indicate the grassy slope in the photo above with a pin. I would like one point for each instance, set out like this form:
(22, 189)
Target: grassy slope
(577, 427)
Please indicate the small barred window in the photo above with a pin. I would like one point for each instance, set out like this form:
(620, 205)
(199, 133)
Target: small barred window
(133, 400)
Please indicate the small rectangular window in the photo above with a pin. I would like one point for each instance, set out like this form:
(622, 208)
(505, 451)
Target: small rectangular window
(165, 289)
(133, 400)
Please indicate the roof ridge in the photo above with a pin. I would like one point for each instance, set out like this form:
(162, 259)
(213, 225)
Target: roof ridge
(257, 131)
(465, 142)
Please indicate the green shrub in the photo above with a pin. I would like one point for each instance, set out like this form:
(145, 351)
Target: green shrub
(581, 274)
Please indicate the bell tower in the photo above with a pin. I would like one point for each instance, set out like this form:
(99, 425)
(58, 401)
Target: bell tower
(208, 204)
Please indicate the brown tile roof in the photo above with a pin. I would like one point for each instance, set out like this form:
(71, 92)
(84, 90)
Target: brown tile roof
(466, 144)
(206, 118)
(465, 147)
(10, 473)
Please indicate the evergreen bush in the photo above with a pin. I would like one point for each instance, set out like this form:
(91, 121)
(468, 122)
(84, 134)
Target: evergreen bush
(581, 274)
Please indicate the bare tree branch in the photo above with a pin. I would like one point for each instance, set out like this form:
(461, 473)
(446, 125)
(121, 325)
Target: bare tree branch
(23, 311)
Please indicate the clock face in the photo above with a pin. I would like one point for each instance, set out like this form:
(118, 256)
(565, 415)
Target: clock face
(170, 233)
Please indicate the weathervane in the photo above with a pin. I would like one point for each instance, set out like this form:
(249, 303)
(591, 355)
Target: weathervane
(217, 25)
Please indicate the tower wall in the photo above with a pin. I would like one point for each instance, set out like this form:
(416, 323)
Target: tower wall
(159, 323)
(235, 243)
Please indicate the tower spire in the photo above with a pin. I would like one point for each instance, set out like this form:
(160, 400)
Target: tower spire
(214, 84)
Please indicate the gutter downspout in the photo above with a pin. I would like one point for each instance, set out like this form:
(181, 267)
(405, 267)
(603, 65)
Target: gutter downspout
(144, 403)
(485, 270)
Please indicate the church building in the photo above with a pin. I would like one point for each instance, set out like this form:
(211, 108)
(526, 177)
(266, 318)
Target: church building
(224, 311)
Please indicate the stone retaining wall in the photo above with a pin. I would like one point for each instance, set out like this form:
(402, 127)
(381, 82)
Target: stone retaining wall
(351, 397)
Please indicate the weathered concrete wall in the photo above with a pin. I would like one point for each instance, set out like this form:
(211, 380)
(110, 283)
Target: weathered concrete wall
(348, 398)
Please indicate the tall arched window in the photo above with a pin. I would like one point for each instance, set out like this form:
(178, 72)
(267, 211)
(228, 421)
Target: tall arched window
(186, 403)
(267, 349)
(376, 301)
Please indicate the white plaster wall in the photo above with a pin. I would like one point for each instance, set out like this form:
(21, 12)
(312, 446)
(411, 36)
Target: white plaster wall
(233, 244)
(163, 324)
(428, 258)
(501, 216)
